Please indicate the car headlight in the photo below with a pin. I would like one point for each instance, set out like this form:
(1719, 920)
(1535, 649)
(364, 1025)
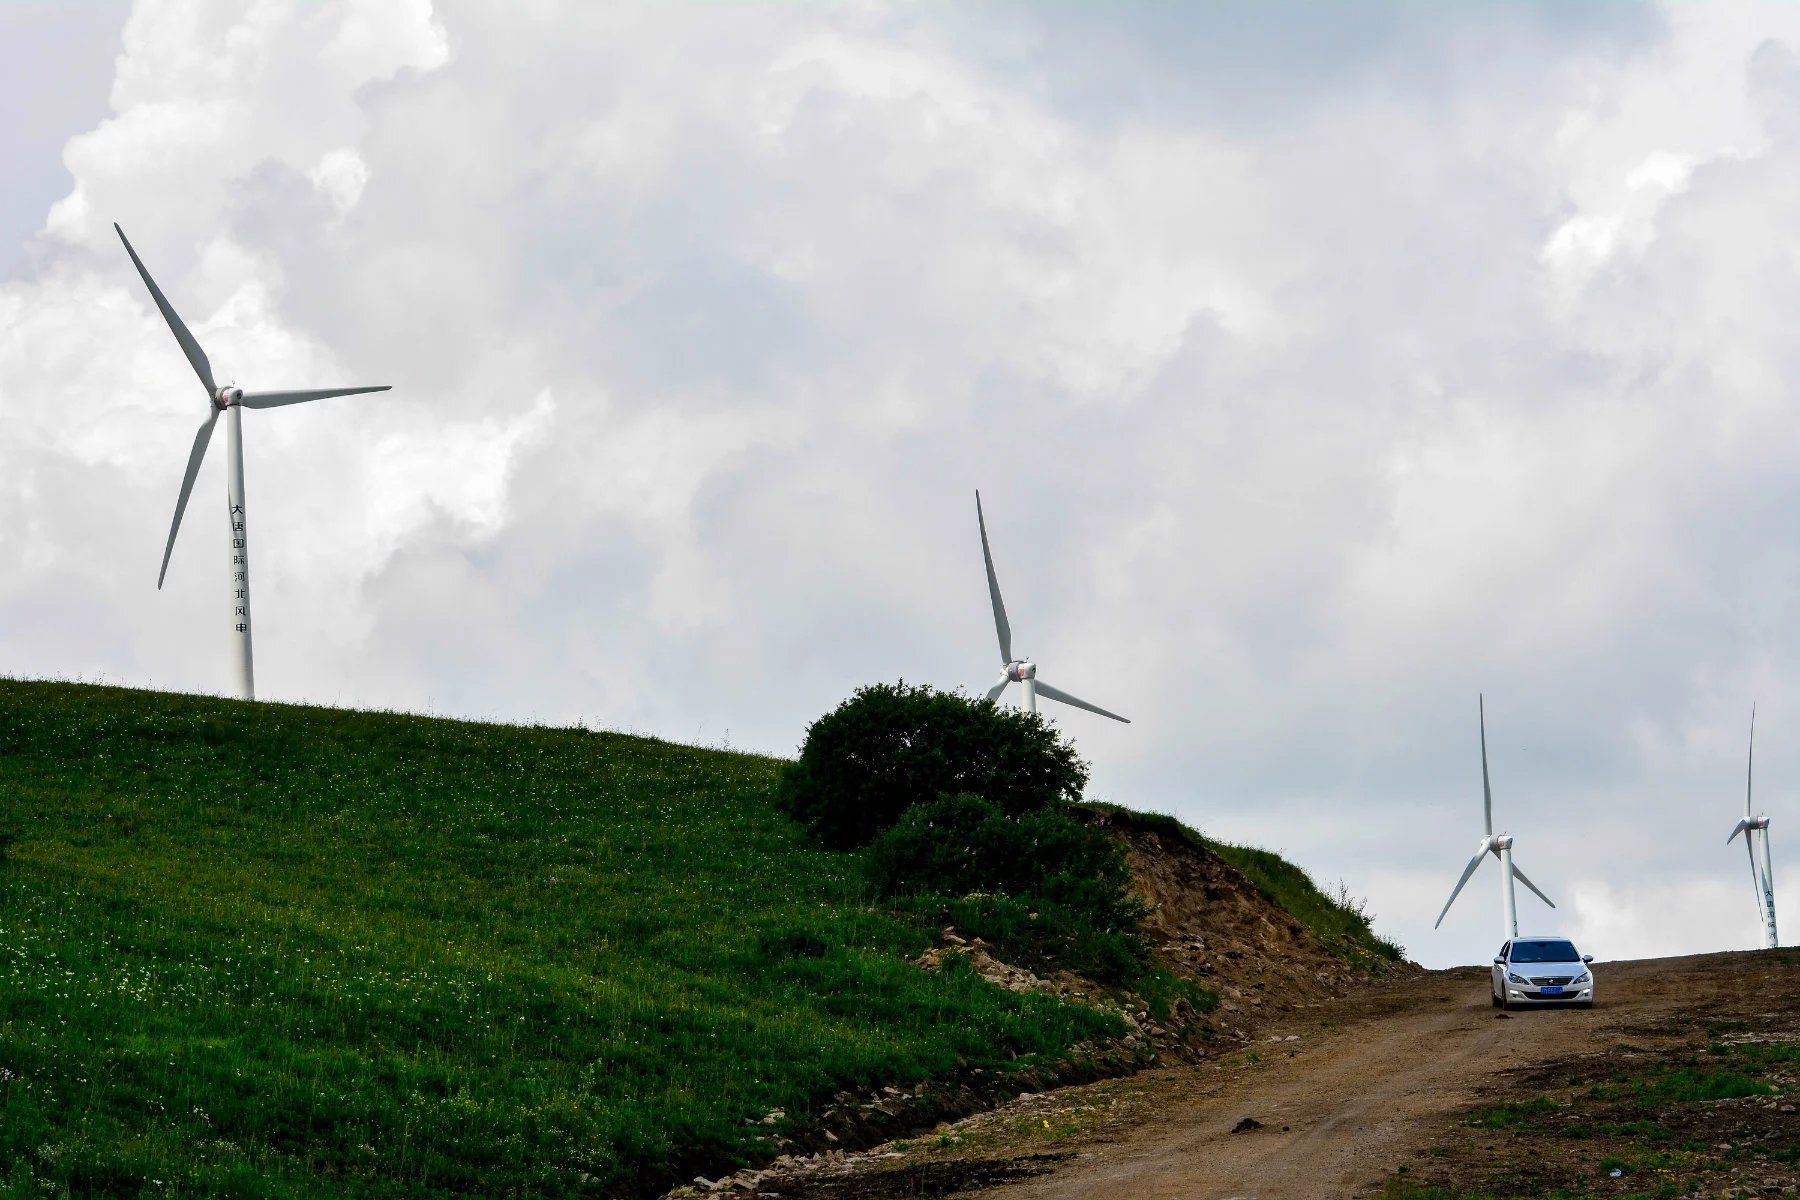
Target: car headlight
(1511, 978)
(1584, 977)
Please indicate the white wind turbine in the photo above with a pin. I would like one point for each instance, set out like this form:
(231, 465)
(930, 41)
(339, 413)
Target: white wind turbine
(1020, 670)
(1762, 875)
(1500, 845)
(231, 401)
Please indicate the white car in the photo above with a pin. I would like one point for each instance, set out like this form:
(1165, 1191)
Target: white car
(1542, 970)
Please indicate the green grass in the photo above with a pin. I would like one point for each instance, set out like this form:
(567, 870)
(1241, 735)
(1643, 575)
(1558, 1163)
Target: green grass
(1728, 1071)
(1339, 921)
(263, 950)
(1513, 1114)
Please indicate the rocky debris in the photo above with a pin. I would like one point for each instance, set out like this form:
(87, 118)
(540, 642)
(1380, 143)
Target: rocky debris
(1177, 1035)
(836, 1172)
(826, 1143)
(1247, 1125)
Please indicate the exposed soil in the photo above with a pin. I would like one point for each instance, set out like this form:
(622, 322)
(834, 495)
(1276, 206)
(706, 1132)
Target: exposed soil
(1334, 1100)
(1210, 925)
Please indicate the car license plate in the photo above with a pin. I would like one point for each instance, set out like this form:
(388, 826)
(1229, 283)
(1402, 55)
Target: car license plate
(1552, 991)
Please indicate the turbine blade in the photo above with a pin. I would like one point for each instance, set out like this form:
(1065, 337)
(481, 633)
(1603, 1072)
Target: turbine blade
(277, 399)
(1737, 829)
(1487, 793)
(195, 457)
(1001, 626)
(1762, 907)
(994, 692)
(1044, 689)
(195, 355)
(1520, 876)
(1457, 890)
(1750, 763)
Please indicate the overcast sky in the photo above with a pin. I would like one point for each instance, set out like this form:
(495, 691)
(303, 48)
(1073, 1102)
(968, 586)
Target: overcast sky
(1320, 366)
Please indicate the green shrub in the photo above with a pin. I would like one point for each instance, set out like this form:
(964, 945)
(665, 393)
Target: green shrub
(1040, 886)
(956, 845)
(891, 746)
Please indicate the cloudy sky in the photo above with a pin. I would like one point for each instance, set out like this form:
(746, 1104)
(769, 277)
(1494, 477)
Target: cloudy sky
(1320, 367)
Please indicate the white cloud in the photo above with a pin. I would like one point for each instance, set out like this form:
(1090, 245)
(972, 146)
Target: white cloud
(1313, 383)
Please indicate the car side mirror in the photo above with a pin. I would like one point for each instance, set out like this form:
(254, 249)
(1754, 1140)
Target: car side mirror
(1587, 958)
(1499, 962)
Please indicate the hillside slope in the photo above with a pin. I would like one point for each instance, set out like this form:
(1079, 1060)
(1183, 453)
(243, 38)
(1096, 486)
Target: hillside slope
(270, 950)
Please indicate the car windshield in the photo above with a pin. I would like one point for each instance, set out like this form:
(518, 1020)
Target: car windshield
(1542, 952)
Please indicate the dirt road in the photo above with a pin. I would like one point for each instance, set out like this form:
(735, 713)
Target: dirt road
(1334, 1099)
(1338, 1107)
(1342, 1107)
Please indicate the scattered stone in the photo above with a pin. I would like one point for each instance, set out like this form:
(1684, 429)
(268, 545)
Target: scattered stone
(1246, 1125)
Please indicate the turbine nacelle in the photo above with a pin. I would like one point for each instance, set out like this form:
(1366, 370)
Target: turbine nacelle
(1019, 672)
(1497, 842)
(225, 397)
(1746, 826)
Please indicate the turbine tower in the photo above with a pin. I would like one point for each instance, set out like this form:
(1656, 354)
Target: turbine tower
(1762, 875)
(1021, 671)
(1500, 845)
(231, 401)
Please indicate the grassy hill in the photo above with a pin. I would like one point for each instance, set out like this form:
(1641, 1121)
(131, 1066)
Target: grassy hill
(263, 950)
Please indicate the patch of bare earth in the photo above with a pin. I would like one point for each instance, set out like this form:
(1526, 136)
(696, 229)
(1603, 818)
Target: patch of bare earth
(1693, 1092)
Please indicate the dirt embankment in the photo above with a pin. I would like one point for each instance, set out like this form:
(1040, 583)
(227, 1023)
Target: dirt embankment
(1211, 926)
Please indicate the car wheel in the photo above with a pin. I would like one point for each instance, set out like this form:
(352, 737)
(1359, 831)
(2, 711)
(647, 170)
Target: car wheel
(1493, 999)
(1505, 1003)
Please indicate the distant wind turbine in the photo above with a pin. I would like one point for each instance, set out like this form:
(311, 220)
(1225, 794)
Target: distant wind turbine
(231, 401)
(1762, 876)
(1500, 845)
(1021, 671)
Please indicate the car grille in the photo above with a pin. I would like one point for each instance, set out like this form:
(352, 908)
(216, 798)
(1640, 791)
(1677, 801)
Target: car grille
(1551, 980)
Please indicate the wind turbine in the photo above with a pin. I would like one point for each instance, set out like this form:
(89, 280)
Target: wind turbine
(1021, 671)
(231, 401)
(1500, 845)
(1762, 876)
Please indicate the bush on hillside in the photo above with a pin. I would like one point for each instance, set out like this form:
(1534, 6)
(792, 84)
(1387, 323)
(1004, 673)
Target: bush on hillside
(891, 746)
(1041, 885)
(960, 844)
